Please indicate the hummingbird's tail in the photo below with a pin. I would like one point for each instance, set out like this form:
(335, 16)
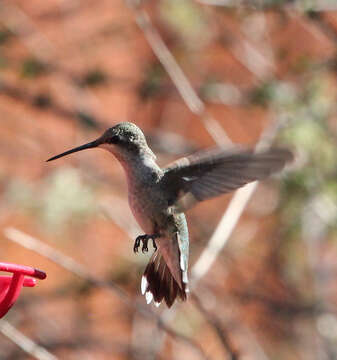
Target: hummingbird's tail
(158, 283)
(165, 276)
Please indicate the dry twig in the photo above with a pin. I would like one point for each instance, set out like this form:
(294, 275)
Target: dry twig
(23, 342)
(218, 327)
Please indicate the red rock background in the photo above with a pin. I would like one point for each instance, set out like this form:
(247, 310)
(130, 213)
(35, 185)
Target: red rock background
(72, 68)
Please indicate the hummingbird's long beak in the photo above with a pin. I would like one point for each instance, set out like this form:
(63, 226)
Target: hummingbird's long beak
(90, 145)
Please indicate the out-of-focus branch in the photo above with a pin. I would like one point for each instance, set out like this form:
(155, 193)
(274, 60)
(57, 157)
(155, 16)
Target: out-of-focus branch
(222, 232)
(322, 25)
(314, 230)
(45, 103)
(184, 87)
(218, 327)
(47, 251)
(26, 344)
(254, 53)
(281, 307)
(74, 267)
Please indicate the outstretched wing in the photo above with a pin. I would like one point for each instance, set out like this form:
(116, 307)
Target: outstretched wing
(210, 173)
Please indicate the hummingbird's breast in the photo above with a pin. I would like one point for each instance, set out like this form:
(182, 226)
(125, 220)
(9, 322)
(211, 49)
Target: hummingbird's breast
(147, 204)
(147, 201)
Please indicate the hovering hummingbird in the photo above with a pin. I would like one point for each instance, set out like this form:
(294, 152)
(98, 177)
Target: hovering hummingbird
(158, 197)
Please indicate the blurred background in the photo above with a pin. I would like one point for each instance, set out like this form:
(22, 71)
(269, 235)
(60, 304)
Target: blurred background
(191, 74)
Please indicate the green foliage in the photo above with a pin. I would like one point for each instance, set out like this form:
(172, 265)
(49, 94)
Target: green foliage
(276, 2)
(94, 77)
(152, 83)
(309, 6)
(87, 120)
(186, 18)
(32, 68)
(3, 61)
(279, 94)
(263, 94)
(5, 35)
(312, 185)
(303, 64)
(42, 100)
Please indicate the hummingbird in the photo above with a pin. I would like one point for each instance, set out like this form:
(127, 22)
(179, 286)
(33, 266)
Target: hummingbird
(158, 197)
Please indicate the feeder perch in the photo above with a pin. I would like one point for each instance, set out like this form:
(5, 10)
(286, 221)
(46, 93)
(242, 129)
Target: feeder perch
(10, 286)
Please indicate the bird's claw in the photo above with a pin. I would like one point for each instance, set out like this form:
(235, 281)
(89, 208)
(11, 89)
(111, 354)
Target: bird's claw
(154, 244)
(136, 244)
(145, 248)
(144, 239)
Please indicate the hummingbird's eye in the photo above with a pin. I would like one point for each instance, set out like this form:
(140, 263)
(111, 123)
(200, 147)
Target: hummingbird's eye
(114, 139)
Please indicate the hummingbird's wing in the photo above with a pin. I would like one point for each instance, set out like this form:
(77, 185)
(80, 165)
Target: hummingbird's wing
(210, 173)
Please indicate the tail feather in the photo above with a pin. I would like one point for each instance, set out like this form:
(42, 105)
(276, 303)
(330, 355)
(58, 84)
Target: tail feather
(158, 282)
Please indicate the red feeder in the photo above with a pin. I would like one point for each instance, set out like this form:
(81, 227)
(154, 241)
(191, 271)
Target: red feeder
(10, 286)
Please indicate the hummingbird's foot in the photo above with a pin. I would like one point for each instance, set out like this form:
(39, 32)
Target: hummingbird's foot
(154, 243)
(144, 239)
(145, 242)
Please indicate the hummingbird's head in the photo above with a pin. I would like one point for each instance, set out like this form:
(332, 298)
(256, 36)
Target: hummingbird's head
(125, 140)
(125, 136)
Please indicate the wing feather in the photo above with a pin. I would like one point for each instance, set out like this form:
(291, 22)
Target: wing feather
(210, 173)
